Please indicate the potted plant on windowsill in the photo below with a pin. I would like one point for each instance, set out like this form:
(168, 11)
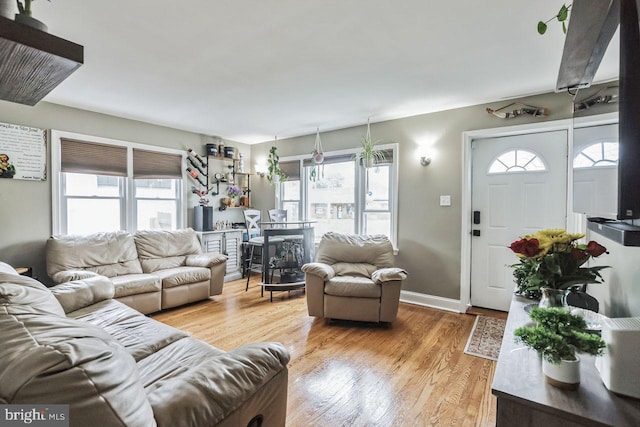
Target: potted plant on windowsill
(24, 16)
(558, 336)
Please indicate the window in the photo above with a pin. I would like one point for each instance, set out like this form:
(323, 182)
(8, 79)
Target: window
(331, 198)
(343, 196)
(597, 155)
(108, 185)
(517, 161)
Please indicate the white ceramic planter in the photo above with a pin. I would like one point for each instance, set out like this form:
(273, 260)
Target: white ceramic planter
(566, 375)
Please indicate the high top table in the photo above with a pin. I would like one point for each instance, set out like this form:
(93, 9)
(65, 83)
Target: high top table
(290, 229)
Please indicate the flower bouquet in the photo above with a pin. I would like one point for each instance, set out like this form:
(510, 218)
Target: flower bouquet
(554, 259)
(234, 192)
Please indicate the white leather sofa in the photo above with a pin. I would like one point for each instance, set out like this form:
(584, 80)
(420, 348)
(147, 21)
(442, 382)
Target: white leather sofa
(150, 270)
(73, 344)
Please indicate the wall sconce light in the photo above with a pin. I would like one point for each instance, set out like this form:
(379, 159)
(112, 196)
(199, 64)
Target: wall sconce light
(425, 161)
(261, 169)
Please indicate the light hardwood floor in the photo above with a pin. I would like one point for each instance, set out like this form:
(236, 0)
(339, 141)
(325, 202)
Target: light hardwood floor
(413, 373)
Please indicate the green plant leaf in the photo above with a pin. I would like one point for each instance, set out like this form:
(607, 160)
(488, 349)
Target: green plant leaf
(564, 27)
(542, 28)
(563, 13)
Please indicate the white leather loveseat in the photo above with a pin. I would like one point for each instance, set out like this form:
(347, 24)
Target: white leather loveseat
(151, 270)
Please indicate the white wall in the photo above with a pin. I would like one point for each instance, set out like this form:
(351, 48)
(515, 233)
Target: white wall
(619, 295)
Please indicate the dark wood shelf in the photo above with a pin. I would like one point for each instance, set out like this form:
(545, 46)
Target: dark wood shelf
(525, 399)
(33, 62)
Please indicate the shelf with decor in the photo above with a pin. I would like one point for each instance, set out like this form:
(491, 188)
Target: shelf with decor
(234, 178)
(207, 183)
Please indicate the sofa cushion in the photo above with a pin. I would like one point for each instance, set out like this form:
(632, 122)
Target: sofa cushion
(140, 335)
(27, 295)
(109, 254)
(134, 284)
(352, 286)
(159, 250)
(52, 359)
(81, 293)
(173, 277)
(207, 393)
(175, 358)
(6, 268)
(338, 247)
(354, 269)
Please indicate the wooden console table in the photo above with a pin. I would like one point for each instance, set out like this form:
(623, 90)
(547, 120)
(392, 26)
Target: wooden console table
(525, 399)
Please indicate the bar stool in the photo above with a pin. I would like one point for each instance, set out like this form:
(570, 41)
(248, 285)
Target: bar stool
(255, 240)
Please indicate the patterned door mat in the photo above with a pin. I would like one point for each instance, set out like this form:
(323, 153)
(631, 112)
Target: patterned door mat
(486, 337)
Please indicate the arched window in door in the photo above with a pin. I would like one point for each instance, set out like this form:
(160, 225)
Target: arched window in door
(597, 155)
(517, 160)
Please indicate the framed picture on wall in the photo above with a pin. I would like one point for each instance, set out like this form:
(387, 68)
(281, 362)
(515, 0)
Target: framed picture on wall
(23, 152)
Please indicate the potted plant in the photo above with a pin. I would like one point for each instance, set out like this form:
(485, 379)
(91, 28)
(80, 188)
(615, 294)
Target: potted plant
(8, 8)
(24, 16)
(558, 336)
(233, 192)
(275, 174)
(551, 261)
(369, 154)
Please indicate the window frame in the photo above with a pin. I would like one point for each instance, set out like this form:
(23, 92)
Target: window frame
(511, 169)
(128, 194)
(359, 183)
(601, 163)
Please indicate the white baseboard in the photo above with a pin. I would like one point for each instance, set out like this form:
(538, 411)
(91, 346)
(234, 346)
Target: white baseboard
(432, 301)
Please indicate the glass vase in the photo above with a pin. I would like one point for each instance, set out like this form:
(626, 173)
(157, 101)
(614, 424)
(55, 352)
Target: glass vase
(552, 298)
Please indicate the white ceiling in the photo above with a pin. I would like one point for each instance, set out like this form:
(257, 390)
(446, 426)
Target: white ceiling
(247, 70)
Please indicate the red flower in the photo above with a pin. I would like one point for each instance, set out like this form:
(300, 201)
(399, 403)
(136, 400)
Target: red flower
(578, 255)
(526, 247)
(595, 249)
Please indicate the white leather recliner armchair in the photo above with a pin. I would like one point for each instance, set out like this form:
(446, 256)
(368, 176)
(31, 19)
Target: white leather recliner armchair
(354, 278)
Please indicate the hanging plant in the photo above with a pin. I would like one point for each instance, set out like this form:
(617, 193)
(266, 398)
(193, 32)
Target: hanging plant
(370, 155)
(561, 16)
(275, 174)
(317, 158)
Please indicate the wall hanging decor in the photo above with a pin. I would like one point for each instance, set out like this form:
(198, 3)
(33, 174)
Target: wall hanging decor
(606, 95)
(23, 152)
(317, 158)
(523, 110)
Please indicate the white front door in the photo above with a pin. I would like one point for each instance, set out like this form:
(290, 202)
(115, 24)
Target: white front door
(519, 187)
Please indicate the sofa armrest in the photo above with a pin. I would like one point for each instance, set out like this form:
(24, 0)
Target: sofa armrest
(208, 393)
(388, 275)
(70, 275)
(77, 294)
(324, 271)
(207, 260)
